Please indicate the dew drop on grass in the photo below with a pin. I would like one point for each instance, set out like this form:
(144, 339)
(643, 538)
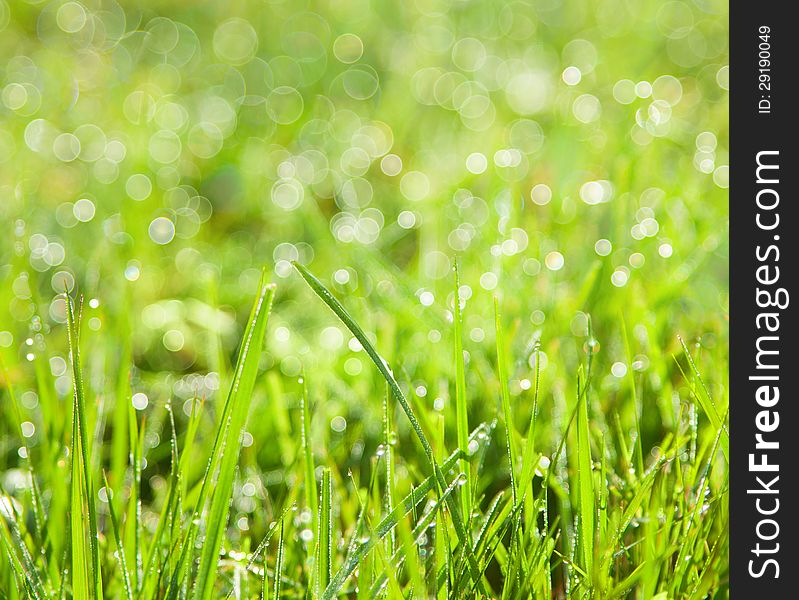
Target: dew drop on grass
(543, 465)
(28, 429)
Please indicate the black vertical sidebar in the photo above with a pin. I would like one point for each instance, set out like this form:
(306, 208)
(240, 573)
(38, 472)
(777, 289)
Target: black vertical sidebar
(764, 260)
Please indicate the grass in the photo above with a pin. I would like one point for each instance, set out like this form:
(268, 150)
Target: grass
(86, 578)
(363, 300)
(588, 524)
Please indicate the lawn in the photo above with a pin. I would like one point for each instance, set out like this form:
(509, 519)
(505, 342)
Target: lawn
(364, 299)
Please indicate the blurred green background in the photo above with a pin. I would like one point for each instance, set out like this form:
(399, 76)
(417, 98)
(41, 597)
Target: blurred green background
(154, 156)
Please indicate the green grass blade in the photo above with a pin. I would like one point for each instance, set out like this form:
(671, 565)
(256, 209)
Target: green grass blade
(324, 568)
(307, 453)
(279, 563)
(226, 450)
(585, 482)
(120, 448)
(133, 521)
(636, 406)
(378, 361)
(502, 374)
(461, 410)
(84, 532)
(388, 443)
(529, 457)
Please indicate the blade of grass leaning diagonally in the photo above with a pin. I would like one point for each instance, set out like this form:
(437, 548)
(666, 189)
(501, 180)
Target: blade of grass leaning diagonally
(382, 366)
(83, 523)
(226, 450)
